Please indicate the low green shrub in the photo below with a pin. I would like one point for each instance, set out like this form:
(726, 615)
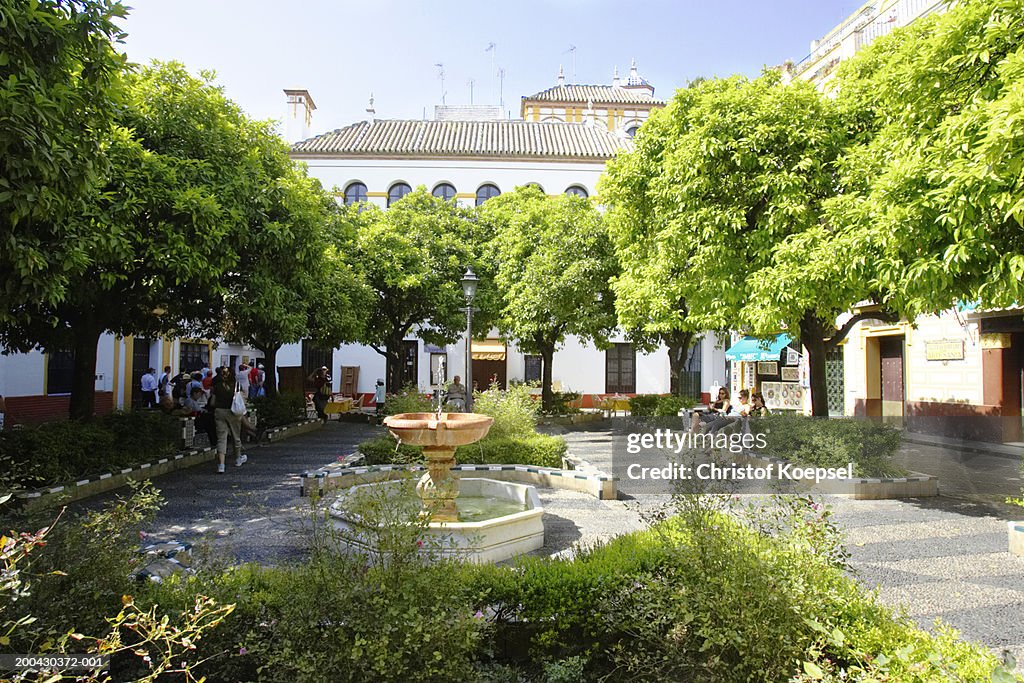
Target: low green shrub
(282, 409)
(408, 400)
(657, 405)
(541, 450)
(514, 411)
(564, 403)
(643, 405)
(57, 452)
(832, 442)
(384, 449)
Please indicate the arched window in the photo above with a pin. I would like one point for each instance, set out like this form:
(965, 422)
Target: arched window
(537, 185)
(631, 131)
(445, 191)
(397, 191)
(355, 193)
(577, 191)
(487, 191)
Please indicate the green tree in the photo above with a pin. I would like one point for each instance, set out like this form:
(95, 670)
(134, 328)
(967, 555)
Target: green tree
(59, 85)
(186, 167)
(936, 184)
(413, 257)
(650, 296)
(738, 192)
(552, 265)
(294, 280)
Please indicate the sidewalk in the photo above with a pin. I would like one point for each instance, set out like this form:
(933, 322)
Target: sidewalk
(998, 449)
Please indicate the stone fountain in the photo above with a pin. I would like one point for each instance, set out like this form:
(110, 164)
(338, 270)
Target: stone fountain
(439, 434)
(479, 519)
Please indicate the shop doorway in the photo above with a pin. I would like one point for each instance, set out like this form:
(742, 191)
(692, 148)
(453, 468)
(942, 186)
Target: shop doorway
(890, 352)
(1013, 389)
(487, 372)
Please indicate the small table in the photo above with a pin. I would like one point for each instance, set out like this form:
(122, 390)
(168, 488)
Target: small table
(338, 407)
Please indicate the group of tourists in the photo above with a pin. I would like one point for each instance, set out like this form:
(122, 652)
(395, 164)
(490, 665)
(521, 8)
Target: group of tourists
(213, 397)
(722, 412)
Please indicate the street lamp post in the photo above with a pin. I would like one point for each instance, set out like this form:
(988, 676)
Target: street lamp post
(469, 283)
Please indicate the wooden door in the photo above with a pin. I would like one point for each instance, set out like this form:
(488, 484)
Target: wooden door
(890, 351)
(486, 372)
(140, 363)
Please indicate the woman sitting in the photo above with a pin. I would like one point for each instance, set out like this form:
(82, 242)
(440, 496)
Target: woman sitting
(717, 410)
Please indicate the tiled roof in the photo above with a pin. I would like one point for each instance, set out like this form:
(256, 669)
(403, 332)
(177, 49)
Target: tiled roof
(598, 94)
(467, 138)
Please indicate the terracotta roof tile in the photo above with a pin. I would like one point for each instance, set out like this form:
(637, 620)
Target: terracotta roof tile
(467, 138)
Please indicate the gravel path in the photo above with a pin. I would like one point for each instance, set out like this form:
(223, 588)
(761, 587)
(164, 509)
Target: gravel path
(942, 557)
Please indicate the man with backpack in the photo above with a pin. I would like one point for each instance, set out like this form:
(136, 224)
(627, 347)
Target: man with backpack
(164, 383)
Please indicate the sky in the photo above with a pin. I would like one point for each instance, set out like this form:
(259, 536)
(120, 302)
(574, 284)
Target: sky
(343, 51)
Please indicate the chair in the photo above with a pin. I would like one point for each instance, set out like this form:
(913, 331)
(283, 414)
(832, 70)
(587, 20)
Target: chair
(311, 413)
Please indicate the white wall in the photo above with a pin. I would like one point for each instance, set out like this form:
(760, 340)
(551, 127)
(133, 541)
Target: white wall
(466, 175)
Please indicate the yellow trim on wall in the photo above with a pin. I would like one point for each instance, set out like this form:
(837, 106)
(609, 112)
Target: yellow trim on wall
(611, 119)
(465, 195)
(536, 113)
(167, 354)
(129, 362)
(379, 195)
(117, 368)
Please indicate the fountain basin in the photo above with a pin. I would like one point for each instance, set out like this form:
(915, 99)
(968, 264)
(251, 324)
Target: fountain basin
(449, 430)
(488, 539)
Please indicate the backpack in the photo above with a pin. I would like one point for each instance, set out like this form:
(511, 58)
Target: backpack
(180, 390)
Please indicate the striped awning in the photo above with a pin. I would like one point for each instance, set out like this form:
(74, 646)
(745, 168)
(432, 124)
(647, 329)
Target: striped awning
(488, 349)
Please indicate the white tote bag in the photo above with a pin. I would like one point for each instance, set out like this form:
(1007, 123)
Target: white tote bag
(238, 403)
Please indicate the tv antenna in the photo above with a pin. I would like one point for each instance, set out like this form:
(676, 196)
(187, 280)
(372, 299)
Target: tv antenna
(440, 74)
(572, 49)
(501, 88)
(493, 49)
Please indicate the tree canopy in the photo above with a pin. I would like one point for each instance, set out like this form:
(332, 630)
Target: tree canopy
(413, 257)
(59, 90)
(553, 263)
(936, 181)
(718, 216)
(186, 170)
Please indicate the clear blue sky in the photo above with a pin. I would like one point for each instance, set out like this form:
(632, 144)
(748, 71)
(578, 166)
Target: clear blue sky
(342, 51)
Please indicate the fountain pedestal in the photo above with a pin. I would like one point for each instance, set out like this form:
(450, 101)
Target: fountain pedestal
(439, 488)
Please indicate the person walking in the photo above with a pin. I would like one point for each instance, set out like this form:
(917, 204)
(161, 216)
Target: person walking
(223, 393)
(243, 380)
(164, 383)
(148, 385)
(379, 397)
(321, 380)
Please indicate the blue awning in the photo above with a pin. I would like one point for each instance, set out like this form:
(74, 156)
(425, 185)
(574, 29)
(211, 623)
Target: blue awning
(751, 349)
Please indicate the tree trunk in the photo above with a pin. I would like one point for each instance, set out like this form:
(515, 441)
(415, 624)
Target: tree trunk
(85, 339)
(547, 400)
(812, 336)
(678, 351)
(270, 369)
(395, 372)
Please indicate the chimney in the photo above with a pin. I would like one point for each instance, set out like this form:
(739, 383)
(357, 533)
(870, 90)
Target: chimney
(300, 115)
(615, 78)
(561, 75)
(371, 113)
